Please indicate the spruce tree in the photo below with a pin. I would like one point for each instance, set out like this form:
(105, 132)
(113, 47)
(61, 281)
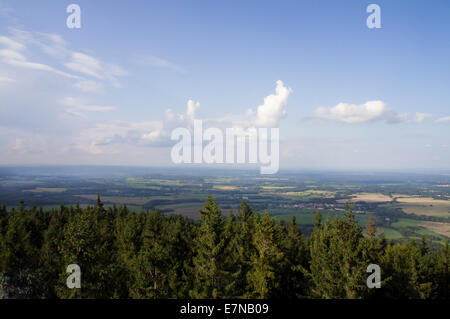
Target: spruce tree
(262, 277)
(208, 262)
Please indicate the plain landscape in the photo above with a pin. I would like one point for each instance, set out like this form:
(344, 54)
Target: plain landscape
(403, 205)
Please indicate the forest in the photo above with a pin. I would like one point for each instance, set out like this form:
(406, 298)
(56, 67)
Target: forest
(245, 254)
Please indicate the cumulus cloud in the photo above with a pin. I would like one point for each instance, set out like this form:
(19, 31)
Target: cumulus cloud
(268, 114)
(192, 107)
(272, 110)
(101, 138)
(161, 135)
(370, 111)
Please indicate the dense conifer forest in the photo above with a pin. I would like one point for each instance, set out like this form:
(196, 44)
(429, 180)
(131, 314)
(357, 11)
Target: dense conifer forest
(123, 254)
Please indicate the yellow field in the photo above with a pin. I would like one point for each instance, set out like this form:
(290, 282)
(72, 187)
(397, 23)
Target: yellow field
(277, 187)
(423, 201)
(404, 196)
(225, 187)
(439, 228)
(370, 198)
(424, 206)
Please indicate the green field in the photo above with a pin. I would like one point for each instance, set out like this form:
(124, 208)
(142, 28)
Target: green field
(391, 233)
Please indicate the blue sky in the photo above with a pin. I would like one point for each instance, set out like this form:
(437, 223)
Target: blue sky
(100, 94)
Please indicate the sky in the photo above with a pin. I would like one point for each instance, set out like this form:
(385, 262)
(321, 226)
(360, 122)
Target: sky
(344, 96)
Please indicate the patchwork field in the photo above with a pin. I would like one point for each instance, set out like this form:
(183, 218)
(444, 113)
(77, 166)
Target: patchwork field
(412, 228)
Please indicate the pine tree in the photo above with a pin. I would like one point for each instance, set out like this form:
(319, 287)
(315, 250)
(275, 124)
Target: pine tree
(245, 228)
(152, 263)
(209, 273)
(294, 264)
(262, 275)
(443, 272)
(338, 269)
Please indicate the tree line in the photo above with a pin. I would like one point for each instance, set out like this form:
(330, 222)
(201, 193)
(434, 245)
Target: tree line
(248, 254)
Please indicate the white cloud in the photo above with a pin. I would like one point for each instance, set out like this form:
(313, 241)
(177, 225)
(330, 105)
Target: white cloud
(443, 120)
(370, 111)
(267, 115)
(83, 63)
(11, 44)
(192, 107)
(161, 134)
(13, 57)
(421, 117)
(90, 66)
(38, 66)
(48, 43)
(272, 110)
(104, 137)
(8, 55)
(12, 53)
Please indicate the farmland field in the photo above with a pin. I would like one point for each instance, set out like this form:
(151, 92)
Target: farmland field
(371, 198)
(401, 209)
(424, 206)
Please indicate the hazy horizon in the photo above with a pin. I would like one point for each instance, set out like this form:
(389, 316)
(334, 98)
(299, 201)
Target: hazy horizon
(229, 168)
